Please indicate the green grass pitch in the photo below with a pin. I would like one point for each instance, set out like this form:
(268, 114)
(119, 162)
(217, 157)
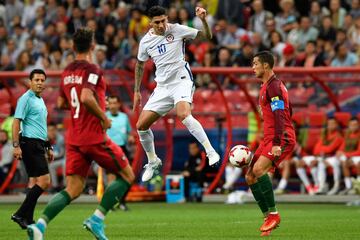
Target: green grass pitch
(197, 222)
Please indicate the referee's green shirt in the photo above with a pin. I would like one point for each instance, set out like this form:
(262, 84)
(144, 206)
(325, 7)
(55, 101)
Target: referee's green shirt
(32, 112)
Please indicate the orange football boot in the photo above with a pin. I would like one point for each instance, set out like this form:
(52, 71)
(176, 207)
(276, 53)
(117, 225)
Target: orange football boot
(272, 221)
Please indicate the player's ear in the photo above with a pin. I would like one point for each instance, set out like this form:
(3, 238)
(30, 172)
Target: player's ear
(266, 66)
(92, 48)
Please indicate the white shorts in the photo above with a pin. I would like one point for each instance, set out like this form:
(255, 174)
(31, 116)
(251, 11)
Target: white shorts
(355, 159)
(165, 97)
(309, 159)
(333, 161)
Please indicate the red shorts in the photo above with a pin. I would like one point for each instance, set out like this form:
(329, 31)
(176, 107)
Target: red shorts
(107, 154)
(287, 147)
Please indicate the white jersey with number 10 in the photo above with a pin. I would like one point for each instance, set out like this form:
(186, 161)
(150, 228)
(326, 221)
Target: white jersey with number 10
(167, 51)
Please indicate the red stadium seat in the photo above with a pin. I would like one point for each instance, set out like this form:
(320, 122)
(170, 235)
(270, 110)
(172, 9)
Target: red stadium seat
(313, 136)
(343, 118)
(5, 109)
(316, 119)
(4, 96)
(299, 118)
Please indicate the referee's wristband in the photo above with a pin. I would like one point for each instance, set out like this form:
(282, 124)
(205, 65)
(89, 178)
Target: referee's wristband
(16, 144)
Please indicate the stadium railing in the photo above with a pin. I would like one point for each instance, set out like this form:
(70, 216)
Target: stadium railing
(322, 89)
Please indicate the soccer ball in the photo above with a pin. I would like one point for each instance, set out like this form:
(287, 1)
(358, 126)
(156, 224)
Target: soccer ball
(240, 156)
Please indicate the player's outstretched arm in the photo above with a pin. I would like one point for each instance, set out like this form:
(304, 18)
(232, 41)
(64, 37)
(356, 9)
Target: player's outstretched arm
(206, 34)
(88, 99)
(139, 72)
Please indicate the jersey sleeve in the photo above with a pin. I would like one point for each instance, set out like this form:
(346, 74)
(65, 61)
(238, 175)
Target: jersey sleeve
(21, 108)
(185, 31)
(321, 148)
(354, 153)
(92, 77)
(277, 106)
(142, 53)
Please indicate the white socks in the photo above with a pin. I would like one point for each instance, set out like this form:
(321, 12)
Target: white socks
(348, 183)
(322, 174)
(231, 175)
(337, 171)
(198, 132)
(282, 184)
(99, 214)
(147, 142)
(314, 174)
(302, 175)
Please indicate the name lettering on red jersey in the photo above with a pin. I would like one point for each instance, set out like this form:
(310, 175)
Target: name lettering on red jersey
(72, 79)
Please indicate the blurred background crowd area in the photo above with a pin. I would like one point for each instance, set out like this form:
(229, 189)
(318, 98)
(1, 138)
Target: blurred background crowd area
(36, 33)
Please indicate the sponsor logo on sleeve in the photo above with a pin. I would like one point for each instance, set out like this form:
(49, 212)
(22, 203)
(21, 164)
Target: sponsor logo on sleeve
(93, 78)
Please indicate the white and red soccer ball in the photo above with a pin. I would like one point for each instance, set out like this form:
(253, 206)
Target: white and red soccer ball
(240, 156)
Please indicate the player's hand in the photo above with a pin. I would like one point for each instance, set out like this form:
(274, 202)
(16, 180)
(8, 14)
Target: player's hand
(17, 153)
(276, 151)
(137, 100)
(131, 139)
(106, 124)
(50, 155)
(200, 12)
(186, 173)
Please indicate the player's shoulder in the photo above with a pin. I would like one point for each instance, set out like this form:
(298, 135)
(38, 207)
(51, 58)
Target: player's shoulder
(148, 37)
(177, 28)
(94, 68)
(25, 97)
(274, 82)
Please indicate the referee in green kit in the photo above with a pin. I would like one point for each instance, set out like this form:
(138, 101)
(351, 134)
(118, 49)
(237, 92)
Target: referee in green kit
(31, 145)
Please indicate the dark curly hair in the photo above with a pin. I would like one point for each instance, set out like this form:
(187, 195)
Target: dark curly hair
(83, 38)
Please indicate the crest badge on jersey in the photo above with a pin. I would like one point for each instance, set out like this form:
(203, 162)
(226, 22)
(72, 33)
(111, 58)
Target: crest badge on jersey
(170, 38)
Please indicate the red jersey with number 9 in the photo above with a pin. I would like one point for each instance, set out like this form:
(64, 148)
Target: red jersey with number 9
(85, 128)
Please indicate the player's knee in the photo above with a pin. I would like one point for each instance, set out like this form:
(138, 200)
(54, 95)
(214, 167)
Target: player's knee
(300, 164)
(182, 115)
(250, 179)
(139, 126)
(129, 176)
(43, 181)
(74, 191)
(313, 164)
(258, 171)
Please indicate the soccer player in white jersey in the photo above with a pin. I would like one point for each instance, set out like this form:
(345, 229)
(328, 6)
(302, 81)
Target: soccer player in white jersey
(164, 43)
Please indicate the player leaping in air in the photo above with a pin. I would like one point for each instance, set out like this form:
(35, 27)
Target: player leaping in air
(164, 43)
(82, 88)
(279, 139)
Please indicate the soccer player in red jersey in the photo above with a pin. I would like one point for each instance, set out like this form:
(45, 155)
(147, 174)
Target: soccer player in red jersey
(83, 90)
(279, 138)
